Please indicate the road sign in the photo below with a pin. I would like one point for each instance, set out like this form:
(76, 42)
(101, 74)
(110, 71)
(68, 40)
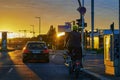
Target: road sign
(82, 10)
(64, 28)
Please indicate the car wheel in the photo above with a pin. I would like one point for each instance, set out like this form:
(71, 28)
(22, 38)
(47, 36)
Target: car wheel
(47, 60)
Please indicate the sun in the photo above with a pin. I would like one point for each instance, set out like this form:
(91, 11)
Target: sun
(60, 34)
(11, 35)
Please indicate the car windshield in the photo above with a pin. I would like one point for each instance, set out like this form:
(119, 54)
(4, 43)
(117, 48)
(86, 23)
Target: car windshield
(36, 45)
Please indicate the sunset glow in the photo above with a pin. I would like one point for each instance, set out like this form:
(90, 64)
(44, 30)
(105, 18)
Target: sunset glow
(10, 35)
(20, 14)
(61, 34)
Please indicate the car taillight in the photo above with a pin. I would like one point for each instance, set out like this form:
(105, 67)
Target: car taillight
(25, 51)
(46, 51)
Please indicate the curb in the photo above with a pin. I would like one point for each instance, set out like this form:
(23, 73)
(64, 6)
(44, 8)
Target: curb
(97, 76)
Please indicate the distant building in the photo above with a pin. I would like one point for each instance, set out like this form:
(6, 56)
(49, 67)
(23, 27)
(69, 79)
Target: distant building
(99, 38)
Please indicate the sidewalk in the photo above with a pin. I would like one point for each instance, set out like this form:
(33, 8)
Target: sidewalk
(94, 65)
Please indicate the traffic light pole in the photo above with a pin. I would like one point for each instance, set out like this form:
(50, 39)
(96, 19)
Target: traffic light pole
(80, 6)
(82, 30)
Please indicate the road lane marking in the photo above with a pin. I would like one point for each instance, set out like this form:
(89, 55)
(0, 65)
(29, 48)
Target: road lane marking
(10, 70)
(53, 56)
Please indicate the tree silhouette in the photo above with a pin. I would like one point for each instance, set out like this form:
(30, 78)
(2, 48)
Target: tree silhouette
(51, 36)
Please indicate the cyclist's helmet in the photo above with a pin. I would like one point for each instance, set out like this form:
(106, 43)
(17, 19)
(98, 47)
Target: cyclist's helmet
(75, 28)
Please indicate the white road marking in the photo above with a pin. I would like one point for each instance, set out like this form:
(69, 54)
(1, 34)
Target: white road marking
(10, 70)
(53, 56)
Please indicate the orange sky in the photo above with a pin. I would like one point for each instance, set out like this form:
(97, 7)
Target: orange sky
(20, 14)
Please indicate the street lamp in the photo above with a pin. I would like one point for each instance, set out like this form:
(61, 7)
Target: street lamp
(119, 33)
(92, 22)
(39, 23)
(33, 30)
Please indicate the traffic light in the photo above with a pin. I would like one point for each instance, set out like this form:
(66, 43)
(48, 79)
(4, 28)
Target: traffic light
(112, 26)
(79, 23)
(4, 35)
(4, 41)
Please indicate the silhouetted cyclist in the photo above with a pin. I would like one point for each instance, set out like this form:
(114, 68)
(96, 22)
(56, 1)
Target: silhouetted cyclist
(73, 43)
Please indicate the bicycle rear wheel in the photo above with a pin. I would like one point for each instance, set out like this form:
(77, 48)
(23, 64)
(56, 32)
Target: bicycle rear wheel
(77, 73)
(70, 68)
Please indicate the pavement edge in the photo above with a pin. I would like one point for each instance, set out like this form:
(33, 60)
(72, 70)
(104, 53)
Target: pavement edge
(97, 76)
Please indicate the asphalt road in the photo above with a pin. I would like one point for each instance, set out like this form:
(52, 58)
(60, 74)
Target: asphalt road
(12, 68)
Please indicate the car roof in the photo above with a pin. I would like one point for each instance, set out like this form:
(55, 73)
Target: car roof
(35, 42)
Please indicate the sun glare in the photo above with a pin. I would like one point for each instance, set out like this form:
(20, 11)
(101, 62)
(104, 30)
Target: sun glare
(61, 34)
(10, 35)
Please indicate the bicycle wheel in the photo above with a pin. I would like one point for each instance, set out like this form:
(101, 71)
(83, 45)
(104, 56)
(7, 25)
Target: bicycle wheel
(70, 68)
(77, 73)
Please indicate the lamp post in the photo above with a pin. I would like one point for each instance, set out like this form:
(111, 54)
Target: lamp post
(39, 24)
(119, 25)
(33, 30)
(119, 35)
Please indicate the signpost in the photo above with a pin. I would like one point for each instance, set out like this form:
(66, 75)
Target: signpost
(82, 10)
(64, 28)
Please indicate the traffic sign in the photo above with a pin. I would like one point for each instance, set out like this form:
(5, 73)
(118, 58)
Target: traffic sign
(82, 10)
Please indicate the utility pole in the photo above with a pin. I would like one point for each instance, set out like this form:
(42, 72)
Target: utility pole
(119, 25)
(119, 35)
(39, 24)
(33, 30)
(92, 22)
(82, 11)
(119, 21)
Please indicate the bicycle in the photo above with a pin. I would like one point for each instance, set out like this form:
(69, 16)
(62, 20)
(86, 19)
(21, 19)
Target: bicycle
(74, 65)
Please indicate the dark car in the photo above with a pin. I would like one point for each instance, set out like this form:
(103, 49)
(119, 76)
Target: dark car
(35, 51)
